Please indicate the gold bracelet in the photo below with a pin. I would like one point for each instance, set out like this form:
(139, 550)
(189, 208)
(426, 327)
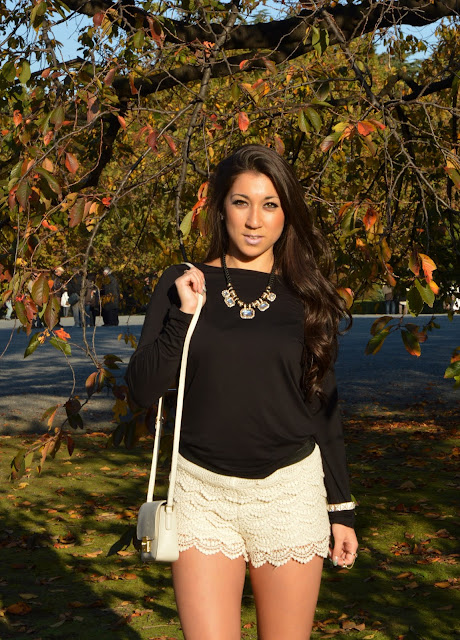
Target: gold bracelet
(341, 506)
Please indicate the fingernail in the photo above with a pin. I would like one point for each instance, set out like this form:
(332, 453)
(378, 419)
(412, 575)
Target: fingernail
(335, 562)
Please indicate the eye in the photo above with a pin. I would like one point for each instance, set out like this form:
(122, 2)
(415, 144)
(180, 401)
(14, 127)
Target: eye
(238, 202)
(272, 205)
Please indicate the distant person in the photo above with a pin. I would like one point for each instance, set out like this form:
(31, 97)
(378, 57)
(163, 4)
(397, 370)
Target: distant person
(74, 289)
(110, 298)
(65, 305)
(390, 302)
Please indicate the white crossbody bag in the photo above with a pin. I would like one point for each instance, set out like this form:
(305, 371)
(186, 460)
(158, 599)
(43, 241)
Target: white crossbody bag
(156, 524)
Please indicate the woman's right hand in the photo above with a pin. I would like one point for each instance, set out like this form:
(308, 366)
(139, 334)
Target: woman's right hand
(189, 286)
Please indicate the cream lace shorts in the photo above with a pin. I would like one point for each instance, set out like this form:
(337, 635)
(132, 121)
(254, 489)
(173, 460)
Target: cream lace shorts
(273, 519)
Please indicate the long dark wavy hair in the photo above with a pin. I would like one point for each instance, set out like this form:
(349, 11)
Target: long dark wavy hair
(302, 256)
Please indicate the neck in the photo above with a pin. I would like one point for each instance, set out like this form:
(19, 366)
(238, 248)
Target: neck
(262, 263)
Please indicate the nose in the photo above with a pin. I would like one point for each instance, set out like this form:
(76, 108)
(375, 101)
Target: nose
(253, 220)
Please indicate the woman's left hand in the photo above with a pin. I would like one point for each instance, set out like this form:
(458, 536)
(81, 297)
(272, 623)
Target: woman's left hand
(345, 546)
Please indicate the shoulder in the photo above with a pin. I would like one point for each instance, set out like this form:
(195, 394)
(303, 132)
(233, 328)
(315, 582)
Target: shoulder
(170, 275)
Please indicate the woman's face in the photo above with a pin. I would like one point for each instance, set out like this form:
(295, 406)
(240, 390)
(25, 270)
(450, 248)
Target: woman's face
(253, 217)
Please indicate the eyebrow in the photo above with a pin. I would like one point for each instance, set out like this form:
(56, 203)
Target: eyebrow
(245, 196)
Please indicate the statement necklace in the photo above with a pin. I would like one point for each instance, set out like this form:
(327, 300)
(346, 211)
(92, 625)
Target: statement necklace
(248, 309)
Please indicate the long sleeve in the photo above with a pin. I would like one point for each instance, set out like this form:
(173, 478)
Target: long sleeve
(329, 437)
(154, 364)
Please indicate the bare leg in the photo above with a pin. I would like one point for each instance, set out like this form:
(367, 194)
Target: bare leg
(208, 593)
(286, 598)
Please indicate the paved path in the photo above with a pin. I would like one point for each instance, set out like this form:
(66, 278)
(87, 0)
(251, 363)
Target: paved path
(384, 384)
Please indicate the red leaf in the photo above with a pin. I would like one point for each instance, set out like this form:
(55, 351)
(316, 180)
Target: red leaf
(93, 108)
(279, 146)
(243, 63)
(45, 73)
(152, 141)
(98, 18)
(170, 142)
(122, 121)
(109, 77)
(71, 162)
(346, 294)
(243, 121)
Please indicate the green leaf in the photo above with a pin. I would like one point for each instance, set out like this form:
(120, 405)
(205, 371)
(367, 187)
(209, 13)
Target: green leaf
(61, 345)
(314, 118)
(375, 344)
(76, 421)
(186, 224)
(52, 310)
(33, 344)
(410, 342)
(57, 116)
(20, 309)
(28, 460)
(23, 193)
(53, 183)
(24, 76)
(414, 301)
(40, 290)
(378, 324)
(453, 370)
(9, 72)
(138, 39)
(18, 460)
(302, 122)
(425, 292)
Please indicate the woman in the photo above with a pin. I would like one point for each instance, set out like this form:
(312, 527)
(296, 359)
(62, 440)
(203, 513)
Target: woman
(260, 397)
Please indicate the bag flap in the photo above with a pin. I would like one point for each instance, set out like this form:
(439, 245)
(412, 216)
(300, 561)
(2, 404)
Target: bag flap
(146, 519)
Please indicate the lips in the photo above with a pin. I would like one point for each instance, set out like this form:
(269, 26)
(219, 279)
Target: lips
(253, 239)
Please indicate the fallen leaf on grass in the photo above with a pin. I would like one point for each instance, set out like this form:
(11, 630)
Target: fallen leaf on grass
(128, 576)
(19, 609)
(442, 585)
(350, 624)
(448, 607)
(28, 596)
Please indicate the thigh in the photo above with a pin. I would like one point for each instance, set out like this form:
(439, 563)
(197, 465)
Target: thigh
(285, 598)
(208, 590)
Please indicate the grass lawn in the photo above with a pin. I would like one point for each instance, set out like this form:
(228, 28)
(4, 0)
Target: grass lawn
(58, 581)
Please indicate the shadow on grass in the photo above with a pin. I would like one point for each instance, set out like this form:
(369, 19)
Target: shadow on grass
(404, 583)
(57, 580)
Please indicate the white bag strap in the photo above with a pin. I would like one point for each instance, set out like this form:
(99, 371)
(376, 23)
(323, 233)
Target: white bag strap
(178, 421)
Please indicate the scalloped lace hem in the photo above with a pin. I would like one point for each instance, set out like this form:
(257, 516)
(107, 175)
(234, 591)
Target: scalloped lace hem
(277, 558)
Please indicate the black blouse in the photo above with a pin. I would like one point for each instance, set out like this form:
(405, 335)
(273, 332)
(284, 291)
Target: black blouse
(244, 410)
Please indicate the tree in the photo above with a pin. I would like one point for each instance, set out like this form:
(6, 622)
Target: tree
(114, 148)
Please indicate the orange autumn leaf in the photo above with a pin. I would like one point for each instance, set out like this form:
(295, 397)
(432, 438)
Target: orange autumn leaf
(365, 127)
(428, 266)
(49, 226)
(47, 138)
(346, 294)
(45, 73)
(122, 121)
(71, 162)
(17, 117)
(134, 91)
(19, 609)
(243, 63)
(434, 287)
(63, 335)
(370, 218)
(279, 146)
(243, 121)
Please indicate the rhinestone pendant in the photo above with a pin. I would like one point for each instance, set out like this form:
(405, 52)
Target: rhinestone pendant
(247, 313)
(263, 306)
(271, 297)
(225, 293)
(229, 301)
